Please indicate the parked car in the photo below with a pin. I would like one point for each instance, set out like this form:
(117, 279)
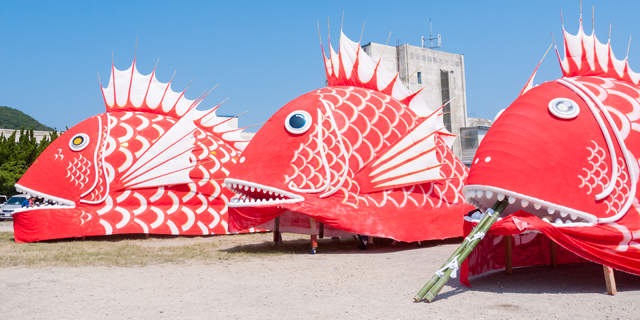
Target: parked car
(3, 200)
(14, 203)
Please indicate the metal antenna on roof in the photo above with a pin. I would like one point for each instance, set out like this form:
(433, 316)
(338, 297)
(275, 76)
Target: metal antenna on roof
(431, 38)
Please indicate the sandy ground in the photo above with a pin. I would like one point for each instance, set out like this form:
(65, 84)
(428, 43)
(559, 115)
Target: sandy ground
(374, 284)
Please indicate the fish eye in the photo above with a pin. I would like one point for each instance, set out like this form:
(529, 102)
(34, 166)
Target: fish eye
(79, 142)
(564, 108)
(298, 122)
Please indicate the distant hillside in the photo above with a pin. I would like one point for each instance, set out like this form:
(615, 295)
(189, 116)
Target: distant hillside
(14, 119)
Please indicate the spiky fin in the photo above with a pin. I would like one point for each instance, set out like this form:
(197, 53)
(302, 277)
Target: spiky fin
(353, 67)
(129, 90)
(585, 55)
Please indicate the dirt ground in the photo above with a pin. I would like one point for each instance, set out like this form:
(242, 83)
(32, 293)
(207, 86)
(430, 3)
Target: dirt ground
(344, 283)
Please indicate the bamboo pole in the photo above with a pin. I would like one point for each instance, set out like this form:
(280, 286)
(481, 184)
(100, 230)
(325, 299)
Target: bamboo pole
(471, 235)
(461, 254)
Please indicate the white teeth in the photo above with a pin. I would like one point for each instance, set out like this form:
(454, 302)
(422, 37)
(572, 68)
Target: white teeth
(235, 185)
(259, 190)
(568, 222)
(512, 199)
(551, 210)
(471, 194)
(270, 199)
(558, 221)
(489, 194)
(563, 214)
(546, 220)
(479, 193)
(500, 196)
(524, 203)
(246, 188)
(573, 216)
(270, 192)
(253, 189)
(537, 206)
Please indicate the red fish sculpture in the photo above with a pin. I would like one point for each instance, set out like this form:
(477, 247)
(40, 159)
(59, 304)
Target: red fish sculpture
(363, 155)
(151, 164)
(564, 155)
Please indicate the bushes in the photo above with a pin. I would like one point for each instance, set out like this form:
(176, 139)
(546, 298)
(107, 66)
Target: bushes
(17, 156)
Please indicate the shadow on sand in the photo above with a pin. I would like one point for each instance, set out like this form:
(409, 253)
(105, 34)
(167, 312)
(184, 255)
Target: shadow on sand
(564, 279)
(346, 245)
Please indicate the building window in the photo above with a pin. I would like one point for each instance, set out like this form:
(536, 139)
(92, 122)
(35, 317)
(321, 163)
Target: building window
(444, 86)
(419, 78)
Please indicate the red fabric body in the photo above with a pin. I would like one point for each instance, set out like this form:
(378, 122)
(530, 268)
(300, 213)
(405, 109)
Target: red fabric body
(577, 244)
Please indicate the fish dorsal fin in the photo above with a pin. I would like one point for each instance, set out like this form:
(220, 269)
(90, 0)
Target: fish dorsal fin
(129, 90)
(411, 160)
(353, 67)
(585, 55)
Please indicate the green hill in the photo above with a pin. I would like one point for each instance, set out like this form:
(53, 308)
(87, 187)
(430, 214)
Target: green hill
(15, 119)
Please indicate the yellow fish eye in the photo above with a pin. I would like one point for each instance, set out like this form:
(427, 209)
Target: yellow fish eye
(79, 142)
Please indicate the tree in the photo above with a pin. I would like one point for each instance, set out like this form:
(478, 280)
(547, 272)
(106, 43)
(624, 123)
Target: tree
(17, 156)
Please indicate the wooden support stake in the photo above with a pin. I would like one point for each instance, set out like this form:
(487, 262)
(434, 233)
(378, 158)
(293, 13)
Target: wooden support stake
(146, 236)
(553, 261)
(321, 235)
(611, 281)
(276, 232)
(508, 246)
(83, 238)
(314, 236)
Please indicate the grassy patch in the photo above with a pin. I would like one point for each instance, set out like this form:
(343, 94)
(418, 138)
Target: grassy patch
(101, 253)
(133, 250)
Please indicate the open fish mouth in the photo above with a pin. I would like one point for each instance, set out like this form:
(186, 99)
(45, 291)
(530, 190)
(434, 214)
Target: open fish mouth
(250, 194)
(61, 202)
(483, 197)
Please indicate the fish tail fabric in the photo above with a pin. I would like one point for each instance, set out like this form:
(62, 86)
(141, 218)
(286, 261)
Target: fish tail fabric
(363, 155)
(564, 154)
(151, 164)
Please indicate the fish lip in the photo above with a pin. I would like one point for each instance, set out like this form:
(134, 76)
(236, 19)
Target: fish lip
(233, 184)
(22, 189)
(470, 192)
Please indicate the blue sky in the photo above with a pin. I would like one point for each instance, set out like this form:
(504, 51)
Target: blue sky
(264, 54)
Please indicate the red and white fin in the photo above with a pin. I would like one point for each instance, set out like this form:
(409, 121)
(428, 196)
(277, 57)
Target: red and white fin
(585, 55)
(167, 161)
(529, 84)
(129, 90)
(411, 160)
(353, 67)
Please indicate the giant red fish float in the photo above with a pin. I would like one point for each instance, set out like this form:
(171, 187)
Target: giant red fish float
(363, 155)
(152, 164)
(565, 156)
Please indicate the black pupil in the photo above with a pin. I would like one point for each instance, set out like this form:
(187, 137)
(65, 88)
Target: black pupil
(297, 121)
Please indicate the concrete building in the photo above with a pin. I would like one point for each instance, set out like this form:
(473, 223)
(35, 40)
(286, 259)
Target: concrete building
(39, 135)
(440, 73)
(471, 137)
